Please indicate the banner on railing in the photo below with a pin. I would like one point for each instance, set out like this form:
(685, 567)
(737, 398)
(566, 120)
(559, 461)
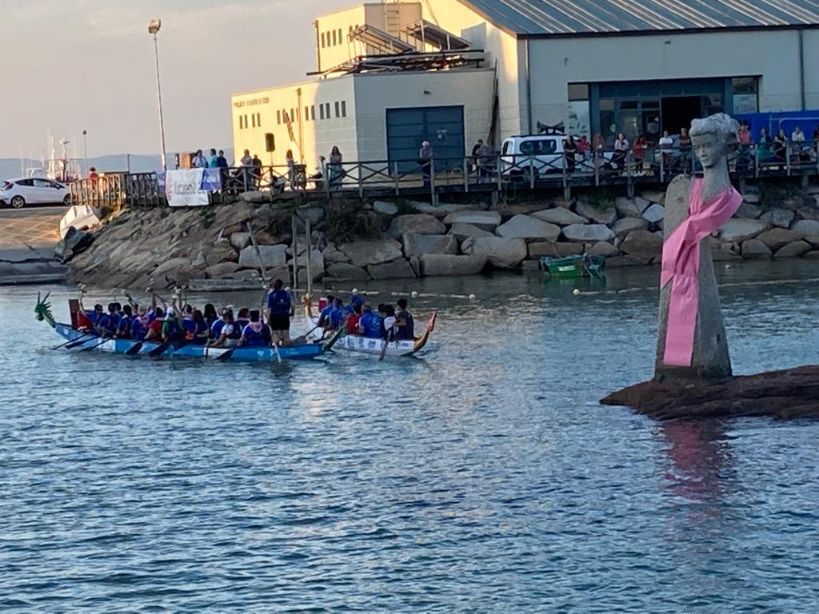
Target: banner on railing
(192, 187)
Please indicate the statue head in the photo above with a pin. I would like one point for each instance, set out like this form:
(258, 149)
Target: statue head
(713, 138)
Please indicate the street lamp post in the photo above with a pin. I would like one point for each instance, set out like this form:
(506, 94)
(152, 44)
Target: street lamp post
(85, 148)
(153, 28)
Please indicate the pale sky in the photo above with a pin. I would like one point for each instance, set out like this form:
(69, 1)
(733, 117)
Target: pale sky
(69, 65)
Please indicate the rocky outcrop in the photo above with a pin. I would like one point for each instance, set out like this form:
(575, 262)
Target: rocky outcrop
(628, 224)
(584, 233)
(468, 230)
(272, 256)
(434, 265)
(364, 253)
(560, 216)
(596, 214)
(500, 252)
(487, 220)
(776, 238)
(344, 271)
(643, 244)
(793, 250)
(754, 248)
(808, 230)
(419, 223)
(737, 231)
(397, 269)
(419, 244)
(528, 227)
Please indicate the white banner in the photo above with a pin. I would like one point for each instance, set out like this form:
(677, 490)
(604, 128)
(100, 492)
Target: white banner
(185, 188)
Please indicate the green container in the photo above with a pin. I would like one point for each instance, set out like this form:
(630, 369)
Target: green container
(573, 266)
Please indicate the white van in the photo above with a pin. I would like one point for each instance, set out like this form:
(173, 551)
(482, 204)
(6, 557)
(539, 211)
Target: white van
(540, 155)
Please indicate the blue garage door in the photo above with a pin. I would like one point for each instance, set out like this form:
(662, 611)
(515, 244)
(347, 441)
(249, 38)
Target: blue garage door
(443, 127)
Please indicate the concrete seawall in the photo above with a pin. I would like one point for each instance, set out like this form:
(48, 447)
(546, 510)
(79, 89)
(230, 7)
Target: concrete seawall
(27, 240)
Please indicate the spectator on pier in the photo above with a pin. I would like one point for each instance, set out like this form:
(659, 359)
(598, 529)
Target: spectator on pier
(618, 159)
(256, 173)
(334, 170)
(475, 149)
(685, 149)
(780, 145)
(763, 148)
(291, 168)
(744, 135)
(246, 160)
(639, 150)
(221, 160)
(199, 161)
(583, 148)
(816, 139)
(666, 149)
(797, 136)
(93, 176)
(213, 159)
(570, 151)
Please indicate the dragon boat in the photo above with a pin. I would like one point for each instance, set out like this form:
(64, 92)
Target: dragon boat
(83, 341)
(366, 345)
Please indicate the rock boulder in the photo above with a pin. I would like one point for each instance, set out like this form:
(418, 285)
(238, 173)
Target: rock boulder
(342, 270)
(595, 214)
(433, 265)
(793, 250)
(584, 233)
(627, 207)
(468, 230)
(487, 220)
(627, 224)
(780, 218)
(385, 208)
(559, 216)
(602, 248)
(528, 227)
(499, 251)
(777, 238)
(397, 269)
(421, 223)
(737, 231)
(272, 256)
(654, 214)
(556, 250)
(418, 244)
(380, 251)
(808, 230)
(642, 244)
(754, 248)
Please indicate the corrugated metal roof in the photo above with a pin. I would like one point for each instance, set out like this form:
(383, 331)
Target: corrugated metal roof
(566, 17)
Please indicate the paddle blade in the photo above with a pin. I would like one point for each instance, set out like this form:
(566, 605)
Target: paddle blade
(226, 355)
(159, 349)
(134, 349)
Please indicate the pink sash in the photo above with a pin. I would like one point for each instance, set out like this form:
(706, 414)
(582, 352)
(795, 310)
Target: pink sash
(681, 265)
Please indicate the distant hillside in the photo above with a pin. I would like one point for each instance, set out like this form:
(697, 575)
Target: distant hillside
(10, 167)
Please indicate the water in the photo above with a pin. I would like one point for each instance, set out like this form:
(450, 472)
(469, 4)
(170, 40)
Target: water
(483, 477)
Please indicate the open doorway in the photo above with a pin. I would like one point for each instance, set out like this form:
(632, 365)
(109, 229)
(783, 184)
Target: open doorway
(678, 111)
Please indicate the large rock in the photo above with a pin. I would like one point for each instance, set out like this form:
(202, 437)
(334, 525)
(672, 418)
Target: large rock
(595, 214)
(527, 227)
(421, 223)
(754, 248)
(500, 252)
(556, 250)
(737, 231)
(627, 207)
(223, 269)
(560, 216)
(780, 218)
(584, 233)
(363, 253)
(654, 214)
(418, 244)
(240, 240)
(220, 251)
(642, 244)
(468, 230)
(170, 267)
(628, 224)
(809, 213)
(344, 271)
(272, 256)
(652, 197)
(602, 248)
(397, 269)
(748, 211)
(776, 238)
(74, 242)
(793, 250)
(433, 265)
(316, 264)
(385, 208)
(487, 220)
(808, 230)
(751, 198)
(333, 254)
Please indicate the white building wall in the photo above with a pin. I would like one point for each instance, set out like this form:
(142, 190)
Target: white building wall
(377, 93)
(502, 50)
(773, 56)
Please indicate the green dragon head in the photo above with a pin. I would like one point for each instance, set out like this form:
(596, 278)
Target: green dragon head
(43, 310)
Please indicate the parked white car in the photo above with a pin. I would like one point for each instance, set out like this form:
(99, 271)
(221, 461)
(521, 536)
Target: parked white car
(33, 191)
(534, 154)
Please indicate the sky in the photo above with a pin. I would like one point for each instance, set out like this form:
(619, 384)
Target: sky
(74, 65)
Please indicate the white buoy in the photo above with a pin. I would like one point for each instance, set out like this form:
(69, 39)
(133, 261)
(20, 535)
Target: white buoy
(414, 294)
(355, 290)
(576, 291)
(472, 297)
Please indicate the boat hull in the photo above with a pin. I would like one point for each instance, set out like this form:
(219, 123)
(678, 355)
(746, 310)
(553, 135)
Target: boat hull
(250, 354)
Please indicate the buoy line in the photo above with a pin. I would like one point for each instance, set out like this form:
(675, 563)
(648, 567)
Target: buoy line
(731, 284)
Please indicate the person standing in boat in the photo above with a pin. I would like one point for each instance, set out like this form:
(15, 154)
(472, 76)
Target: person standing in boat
(256, 333)
(404, 322)
(279, 308)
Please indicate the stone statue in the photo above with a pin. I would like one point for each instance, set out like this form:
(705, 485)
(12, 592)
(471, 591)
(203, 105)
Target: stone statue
(691, 339)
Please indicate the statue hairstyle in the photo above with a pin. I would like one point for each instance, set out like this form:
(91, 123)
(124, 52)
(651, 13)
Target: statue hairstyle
(720, 124)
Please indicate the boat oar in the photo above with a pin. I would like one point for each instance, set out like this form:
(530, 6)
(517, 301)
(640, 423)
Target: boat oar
(94, 347)
(301, 339)
(75, 340)
(226, 355)
(78, 342)
(159, 349)
(278, 356)
(134, 349)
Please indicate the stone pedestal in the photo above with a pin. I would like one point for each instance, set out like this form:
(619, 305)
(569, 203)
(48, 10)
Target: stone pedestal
(710, 358)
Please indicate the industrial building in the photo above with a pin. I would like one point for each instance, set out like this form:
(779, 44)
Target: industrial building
(392, 74)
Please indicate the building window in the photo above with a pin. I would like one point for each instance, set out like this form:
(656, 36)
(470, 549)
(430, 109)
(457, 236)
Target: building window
(292, 115)
(259, 119)
(253, 119)
(340, 37)
(306, 114)
(313, 112)
(322, 40)
(578, 91)
(745, 94)
(334, 38)
(343, 108)
(279, 117)
(321, 111)
(338, 109)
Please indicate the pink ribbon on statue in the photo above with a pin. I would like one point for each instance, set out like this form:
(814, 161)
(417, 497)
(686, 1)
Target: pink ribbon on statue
(681, 267)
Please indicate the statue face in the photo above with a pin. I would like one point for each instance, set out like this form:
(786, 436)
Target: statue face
(710, 148)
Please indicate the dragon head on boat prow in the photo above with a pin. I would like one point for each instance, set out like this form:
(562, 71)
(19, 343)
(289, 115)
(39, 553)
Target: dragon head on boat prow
(43, 310)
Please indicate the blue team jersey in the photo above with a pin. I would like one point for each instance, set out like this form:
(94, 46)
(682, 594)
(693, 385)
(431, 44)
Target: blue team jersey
(254, 339)
(324, 316)
(137, 329)
(216, 328)
(92, 316)
(124, 327)
(372, 325)
(278, 302)
(337, 316)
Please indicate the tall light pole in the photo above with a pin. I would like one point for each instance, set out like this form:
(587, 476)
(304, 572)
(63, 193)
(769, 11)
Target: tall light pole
(153, 28)
(85, 148)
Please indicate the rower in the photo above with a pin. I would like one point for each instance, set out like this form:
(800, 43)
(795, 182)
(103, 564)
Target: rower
(279, 310)
(337, 315)
(124, 326)
(370, 324)
(154, 330)
(139, 324)
(172, 330)
(404, 322)
(108, 323)
(256, 333)
(389, 323)
(324, 316)
(219, 324)
(228, 334)
(198, 333)
(352, 320)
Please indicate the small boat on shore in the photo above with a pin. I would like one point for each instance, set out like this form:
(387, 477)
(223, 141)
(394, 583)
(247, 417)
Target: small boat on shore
(573, 266)
(82, 341)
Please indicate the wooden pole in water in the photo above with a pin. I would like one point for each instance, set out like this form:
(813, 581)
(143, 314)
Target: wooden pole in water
(295, 246)
(309, 253)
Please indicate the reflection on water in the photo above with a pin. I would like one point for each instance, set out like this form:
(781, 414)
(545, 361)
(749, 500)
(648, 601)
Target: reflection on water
(482, 476)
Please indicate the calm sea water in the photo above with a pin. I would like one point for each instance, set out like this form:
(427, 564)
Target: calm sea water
(481, 477)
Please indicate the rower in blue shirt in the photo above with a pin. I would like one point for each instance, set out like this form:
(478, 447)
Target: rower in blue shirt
(370, 324)
(324, 316)
(256, 333)
(337, 316)
(124, 325)
(108, 323)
